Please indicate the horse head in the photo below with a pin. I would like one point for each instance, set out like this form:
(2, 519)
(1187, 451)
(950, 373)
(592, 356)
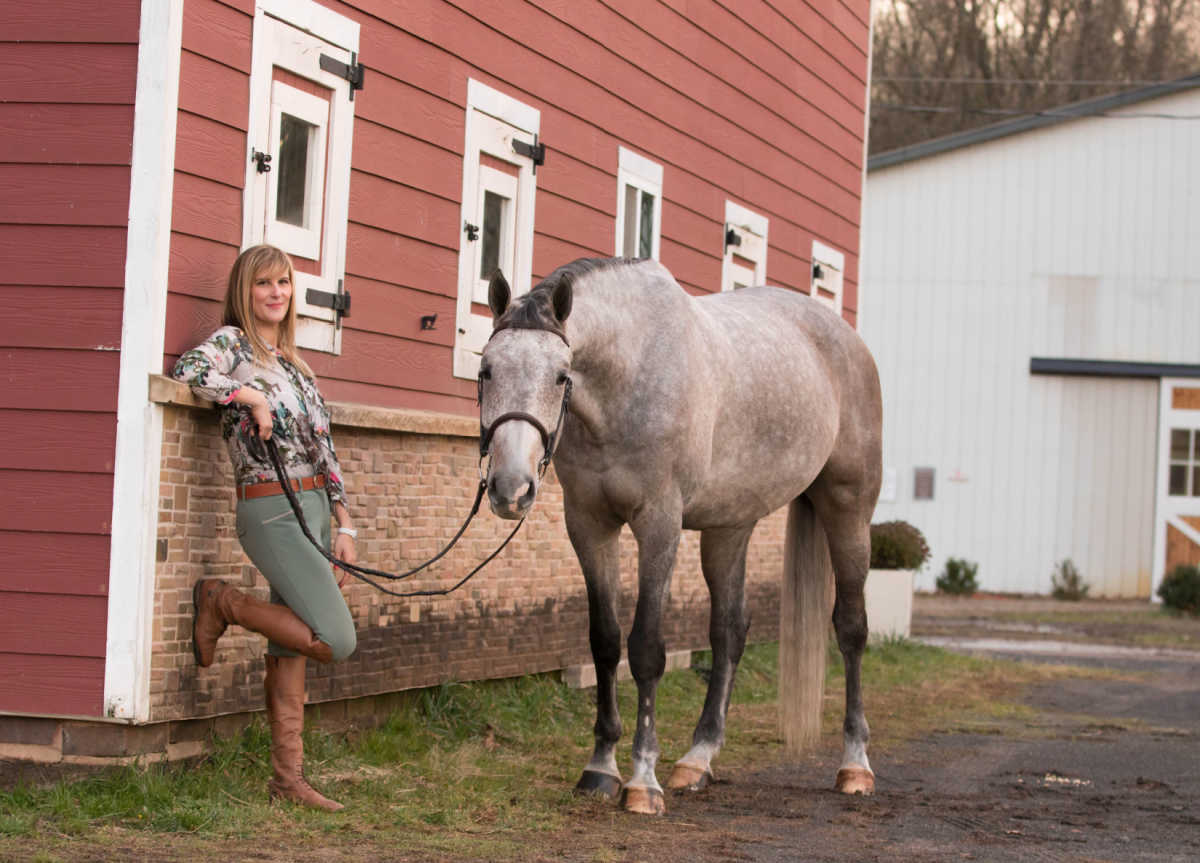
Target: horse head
(524, 385)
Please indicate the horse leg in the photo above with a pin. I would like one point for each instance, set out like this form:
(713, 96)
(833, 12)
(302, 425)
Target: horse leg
(723, 560)
(596, 545)
(658, 540)
(848, 532)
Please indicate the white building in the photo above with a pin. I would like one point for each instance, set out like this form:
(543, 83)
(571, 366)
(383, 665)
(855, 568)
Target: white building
(1033, 302)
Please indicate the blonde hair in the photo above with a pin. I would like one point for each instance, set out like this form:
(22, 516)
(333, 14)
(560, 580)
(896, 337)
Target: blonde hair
(254, 262)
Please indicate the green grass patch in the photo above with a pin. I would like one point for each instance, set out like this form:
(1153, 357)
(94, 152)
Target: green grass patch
(486, 763)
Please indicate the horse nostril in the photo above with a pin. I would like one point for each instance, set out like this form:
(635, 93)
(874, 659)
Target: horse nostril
(526, 499)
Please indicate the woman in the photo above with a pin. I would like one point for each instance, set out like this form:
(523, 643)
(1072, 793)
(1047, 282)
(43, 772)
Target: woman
(251, 366)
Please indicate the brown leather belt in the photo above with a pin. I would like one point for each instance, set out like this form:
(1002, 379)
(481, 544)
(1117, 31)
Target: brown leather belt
(266, 489)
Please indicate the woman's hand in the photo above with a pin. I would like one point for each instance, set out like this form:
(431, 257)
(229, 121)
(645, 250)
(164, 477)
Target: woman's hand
(343, 549)
(260, 409)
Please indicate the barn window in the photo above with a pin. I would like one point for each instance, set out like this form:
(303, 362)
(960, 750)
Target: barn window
(1184, 470)
(298, 161)
(827, 268)
(639, 206)
(499, 185)
(745, 242)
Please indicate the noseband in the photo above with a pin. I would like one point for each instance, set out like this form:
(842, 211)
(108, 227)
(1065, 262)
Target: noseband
(549, 439)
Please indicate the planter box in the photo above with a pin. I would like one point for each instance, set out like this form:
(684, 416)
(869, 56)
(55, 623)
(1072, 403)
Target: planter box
(889, 595)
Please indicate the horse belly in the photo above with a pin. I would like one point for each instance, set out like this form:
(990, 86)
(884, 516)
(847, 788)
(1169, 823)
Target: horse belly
(748, 486)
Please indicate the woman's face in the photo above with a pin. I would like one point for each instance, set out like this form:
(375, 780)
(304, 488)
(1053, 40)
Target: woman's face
(272, 295)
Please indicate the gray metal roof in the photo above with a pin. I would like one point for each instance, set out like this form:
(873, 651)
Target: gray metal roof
(1048, 117)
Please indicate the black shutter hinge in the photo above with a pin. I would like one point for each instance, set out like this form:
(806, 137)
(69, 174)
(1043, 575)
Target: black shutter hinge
(534, 151)
(339, 301)
(262, 160)
(353, 72)
(732, 237)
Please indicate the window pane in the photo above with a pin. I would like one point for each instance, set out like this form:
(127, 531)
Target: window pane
(629, 241)
(1196, 481)
(646, 240)
(1178, 481)
(1195, 446)
(1180, 444)
(493, 218)
(292, 171)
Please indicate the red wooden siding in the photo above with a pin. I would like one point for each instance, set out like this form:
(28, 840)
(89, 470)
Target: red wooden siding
(759, 103)
(67, 80)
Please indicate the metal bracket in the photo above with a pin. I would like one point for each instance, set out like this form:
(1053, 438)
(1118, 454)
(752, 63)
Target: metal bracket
(732, 238)
(262, 160)
(534, 151)
(353, 72)
(428, 322)
(339, 301)
(472, 231)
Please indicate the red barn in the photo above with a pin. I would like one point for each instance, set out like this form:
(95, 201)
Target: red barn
(397, 149)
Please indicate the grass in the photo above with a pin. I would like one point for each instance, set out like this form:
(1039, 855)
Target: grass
(487, 763)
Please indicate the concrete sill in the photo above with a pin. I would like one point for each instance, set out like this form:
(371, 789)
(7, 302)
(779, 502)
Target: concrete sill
(167, 391)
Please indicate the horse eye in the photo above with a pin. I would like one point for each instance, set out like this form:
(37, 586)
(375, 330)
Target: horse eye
(485, 374)
(562, 378)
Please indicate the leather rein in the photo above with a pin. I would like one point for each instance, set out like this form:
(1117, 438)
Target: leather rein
(367, 574)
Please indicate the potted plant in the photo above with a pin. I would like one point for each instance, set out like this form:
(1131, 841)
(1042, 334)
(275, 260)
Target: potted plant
(898, 550)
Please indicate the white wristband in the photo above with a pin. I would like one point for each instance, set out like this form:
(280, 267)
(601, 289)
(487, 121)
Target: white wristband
(349, 531)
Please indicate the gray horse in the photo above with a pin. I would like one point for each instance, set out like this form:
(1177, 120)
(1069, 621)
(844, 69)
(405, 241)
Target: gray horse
(696, 413)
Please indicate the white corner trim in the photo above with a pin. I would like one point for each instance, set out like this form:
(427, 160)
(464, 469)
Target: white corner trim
(315, 19)
(139, 422)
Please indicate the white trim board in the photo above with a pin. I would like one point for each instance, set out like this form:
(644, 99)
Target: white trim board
(131, 568)
(313, 18)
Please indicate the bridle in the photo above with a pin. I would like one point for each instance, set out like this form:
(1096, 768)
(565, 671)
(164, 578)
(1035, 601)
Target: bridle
(549, 439)
(367, 574)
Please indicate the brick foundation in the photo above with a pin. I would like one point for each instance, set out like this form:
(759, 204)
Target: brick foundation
(407, 492)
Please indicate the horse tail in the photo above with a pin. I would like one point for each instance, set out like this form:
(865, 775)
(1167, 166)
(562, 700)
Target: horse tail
(805, 611)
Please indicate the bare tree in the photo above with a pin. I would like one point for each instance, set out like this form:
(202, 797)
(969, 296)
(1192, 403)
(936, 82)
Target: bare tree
(943, 66)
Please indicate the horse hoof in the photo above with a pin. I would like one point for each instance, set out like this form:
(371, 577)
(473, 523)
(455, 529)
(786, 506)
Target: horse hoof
(855, 780)
(598, 784)
(685, 777)
(643, 801)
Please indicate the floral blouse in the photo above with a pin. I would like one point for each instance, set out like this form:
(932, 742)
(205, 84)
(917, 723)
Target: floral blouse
(223, 364)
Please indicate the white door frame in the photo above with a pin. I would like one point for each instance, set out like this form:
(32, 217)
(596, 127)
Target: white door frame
(1167, 508)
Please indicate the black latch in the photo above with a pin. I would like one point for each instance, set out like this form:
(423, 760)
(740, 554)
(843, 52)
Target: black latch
(732, 237)
(818, 273)
(339, 301)
(262, 160)
(472, 231)
(352, 72)
(534, 151)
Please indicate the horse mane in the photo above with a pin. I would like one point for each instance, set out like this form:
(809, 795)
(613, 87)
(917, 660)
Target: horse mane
(535, 310)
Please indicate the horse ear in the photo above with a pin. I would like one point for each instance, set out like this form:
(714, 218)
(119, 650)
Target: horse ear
(499, 294)
(561, 298)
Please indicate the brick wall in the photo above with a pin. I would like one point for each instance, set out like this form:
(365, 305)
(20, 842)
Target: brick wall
(408, 493)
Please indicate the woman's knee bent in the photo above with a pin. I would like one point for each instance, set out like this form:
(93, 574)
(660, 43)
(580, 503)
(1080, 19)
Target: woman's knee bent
(341, 639)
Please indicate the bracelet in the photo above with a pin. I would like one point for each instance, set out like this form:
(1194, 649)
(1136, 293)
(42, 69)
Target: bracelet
(349, 531)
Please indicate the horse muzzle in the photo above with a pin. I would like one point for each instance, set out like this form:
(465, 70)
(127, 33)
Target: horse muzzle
(511, 494)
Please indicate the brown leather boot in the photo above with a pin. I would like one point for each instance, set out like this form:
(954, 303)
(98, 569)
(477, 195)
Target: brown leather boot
(285, 709)
(218, 604)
